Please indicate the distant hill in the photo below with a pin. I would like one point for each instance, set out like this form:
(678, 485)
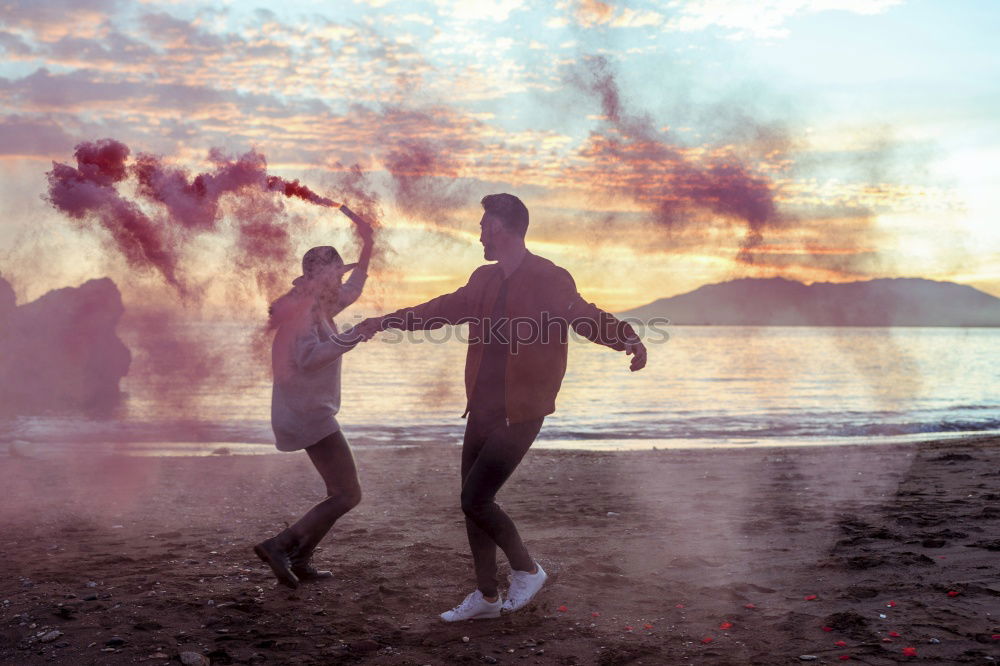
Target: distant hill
(781, 302)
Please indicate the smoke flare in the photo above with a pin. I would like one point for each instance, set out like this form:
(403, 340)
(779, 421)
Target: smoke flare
(294, 188)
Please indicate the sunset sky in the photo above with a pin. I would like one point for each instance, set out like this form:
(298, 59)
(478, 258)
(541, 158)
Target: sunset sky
(658, 145)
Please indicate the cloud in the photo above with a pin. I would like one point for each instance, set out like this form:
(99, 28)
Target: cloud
(764, 19)
(113, 48)
(592, 13)
(23, 136)
(498, 10)
(13, 45)
(53, 19)
(177, 33)
(83, 89)
(43, 90)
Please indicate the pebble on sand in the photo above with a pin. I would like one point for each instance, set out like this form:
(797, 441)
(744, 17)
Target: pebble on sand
(193, 659)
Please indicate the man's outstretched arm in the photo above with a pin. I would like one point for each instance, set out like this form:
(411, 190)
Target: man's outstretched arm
(454, 308)
(594, 323)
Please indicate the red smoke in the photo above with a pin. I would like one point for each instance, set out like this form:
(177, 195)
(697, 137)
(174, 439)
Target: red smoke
(190, 206)
(424, 178)
(641, 160)
(88, 192)
(295, 189)
(194, 203)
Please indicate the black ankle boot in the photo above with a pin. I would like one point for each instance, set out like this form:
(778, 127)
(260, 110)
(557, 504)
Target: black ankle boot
(275, 556)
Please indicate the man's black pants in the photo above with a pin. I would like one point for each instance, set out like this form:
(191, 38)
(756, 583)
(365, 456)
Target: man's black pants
(491, 452)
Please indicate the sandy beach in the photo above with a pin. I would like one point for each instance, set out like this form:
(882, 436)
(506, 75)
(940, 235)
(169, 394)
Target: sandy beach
(875, 554)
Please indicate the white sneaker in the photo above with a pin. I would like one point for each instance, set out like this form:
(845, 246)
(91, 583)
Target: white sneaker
(474, 607)
(523, 588)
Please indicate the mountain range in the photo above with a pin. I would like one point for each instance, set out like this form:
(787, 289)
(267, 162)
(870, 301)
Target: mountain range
(781, 302)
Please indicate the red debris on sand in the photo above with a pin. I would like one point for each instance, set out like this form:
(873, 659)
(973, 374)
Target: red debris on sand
(750, 606)
(811, 597)
(827, 628)
(726, 625)
(895, 634)
(909, 652)
(628, 627)
(647, 626)
(995, 637)
(953, 593)
(841, 643)
(679, 606)
(844, 657)
(562, 609)
(891, 604)
(595, 614)
(706, 640)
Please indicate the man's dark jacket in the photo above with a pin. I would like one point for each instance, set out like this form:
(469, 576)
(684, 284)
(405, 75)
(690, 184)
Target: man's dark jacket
(539, 293)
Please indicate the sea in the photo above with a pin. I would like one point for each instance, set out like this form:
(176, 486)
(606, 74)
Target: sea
(703, 387)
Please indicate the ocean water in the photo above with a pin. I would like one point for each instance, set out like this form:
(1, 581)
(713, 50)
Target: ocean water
(704, 386)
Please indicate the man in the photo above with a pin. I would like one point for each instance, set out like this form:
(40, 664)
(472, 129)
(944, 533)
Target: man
(519, 311)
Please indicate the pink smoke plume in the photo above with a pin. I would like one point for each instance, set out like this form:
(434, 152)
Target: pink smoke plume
(88, 191)
(661, 175)
(191, 206)
(424, 178)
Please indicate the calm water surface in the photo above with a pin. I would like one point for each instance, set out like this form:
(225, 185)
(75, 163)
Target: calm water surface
(705, 386)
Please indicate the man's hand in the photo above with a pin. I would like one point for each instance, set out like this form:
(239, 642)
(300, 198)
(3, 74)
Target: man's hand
(637, 351)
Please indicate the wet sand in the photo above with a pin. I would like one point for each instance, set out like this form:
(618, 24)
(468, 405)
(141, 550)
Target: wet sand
(748, 556)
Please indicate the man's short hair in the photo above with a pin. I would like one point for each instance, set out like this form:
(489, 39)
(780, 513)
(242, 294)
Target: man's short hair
(511, 211)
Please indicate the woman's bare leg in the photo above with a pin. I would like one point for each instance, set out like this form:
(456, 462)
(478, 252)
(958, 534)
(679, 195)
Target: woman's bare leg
(288, 553)
(334, 461)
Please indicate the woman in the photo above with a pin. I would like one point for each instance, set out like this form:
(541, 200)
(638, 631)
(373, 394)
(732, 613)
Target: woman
(305, 359)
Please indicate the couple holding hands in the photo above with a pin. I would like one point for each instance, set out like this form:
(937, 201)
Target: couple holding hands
(519, 312)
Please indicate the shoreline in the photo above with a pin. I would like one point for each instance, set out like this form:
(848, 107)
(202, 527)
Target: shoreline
(30, 449)
(668, 547)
